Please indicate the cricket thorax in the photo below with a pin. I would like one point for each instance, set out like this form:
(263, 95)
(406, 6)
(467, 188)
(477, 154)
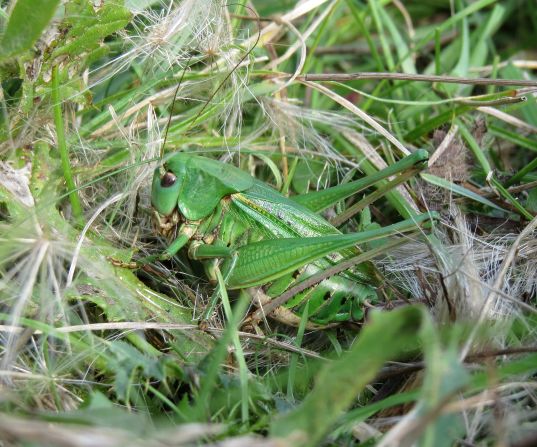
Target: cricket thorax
(204, 230)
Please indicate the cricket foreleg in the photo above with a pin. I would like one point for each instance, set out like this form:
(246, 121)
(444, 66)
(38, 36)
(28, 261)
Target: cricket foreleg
(184, 234)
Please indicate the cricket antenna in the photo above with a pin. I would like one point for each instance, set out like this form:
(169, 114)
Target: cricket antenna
(211, 97)
(173, 103)
(236, 66)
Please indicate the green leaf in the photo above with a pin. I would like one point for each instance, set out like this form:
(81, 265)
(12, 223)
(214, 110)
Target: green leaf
(88, 28)
(25, 24)
(387, 336)
(435, 122)
(401, 47)
(529, 108)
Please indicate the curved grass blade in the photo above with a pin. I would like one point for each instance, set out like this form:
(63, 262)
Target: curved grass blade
(460, 190)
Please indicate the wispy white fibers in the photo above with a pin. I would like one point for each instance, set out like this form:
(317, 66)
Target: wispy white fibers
(469, 266)
(88, 225)
(298, 124)
(30, 271)
(140, 176)
(165, 37)
(166, 40)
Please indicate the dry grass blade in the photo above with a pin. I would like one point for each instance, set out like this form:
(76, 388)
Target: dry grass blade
(342, 77)
(500, 276)
(72, 435)
(359, 113)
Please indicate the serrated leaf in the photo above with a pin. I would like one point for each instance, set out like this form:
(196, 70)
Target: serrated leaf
(88, 28)
(26, 23)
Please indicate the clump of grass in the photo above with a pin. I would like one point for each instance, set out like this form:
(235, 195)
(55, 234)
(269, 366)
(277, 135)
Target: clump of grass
(93, 95)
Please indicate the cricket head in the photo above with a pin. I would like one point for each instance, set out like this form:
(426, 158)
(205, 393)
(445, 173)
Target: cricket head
(192, 186)
(165, 191)
(164, 198)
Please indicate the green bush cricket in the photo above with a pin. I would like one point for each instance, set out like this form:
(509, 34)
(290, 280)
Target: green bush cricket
(261, 238)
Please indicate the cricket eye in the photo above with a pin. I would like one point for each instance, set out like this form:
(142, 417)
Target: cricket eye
(168, 179)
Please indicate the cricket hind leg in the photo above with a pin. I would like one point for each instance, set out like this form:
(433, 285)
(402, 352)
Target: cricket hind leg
(335, 300)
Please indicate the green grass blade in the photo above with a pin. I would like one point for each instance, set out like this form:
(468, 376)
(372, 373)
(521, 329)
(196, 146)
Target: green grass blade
(62, 147)
(510, 198)
(357, 15)
(215, 360)
(338, 384)
(239, 353)
(514, 137)
(460, 190)
(531, 166)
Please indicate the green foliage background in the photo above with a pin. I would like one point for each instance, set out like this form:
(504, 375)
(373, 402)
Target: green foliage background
(92, 352)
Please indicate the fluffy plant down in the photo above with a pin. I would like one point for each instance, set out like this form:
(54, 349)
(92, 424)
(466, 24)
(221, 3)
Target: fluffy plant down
(104, 343)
